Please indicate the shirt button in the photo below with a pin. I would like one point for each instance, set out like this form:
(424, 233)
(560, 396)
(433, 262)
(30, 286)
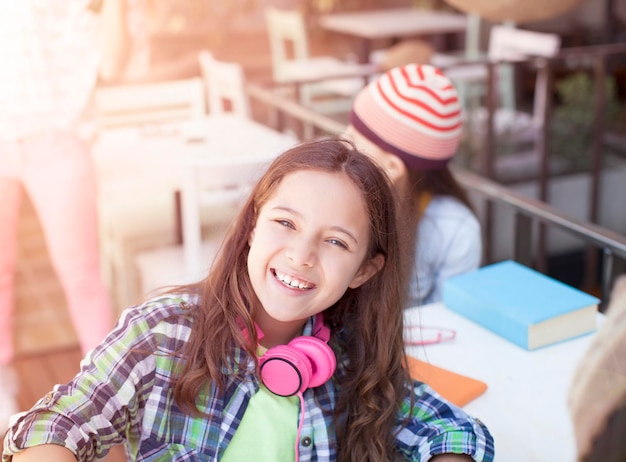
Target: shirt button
(48, 398)
(306, 441)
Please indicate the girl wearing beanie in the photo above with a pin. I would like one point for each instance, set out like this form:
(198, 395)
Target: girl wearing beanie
(409, 120)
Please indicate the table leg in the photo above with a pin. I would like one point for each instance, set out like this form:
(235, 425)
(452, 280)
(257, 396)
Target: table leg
(178, 221)
(364, 48)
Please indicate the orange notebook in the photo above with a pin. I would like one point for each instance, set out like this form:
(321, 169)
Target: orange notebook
(456, 388)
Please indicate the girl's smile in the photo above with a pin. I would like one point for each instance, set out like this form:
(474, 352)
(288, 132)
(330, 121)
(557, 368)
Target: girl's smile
(307, 248)
(293, 282)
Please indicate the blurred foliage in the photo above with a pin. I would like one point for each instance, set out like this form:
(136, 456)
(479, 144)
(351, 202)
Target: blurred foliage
(574, 115)
(570, 128)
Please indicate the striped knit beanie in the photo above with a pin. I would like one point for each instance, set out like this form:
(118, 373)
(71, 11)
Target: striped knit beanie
(411, 111)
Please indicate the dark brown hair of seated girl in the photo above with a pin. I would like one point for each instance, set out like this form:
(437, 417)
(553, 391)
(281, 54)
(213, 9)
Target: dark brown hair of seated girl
(366, 322)
(424, 184)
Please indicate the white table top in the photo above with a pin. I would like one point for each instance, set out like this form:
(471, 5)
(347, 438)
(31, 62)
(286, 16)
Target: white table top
(525, 405)
(394, 23)
(162, 151)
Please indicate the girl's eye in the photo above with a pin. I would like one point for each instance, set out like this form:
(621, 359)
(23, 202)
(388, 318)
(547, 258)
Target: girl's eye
(285, 223)
(337, 242)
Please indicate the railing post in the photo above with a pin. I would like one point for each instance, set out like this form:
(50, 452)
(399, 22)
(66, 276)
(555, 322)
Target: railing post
(591, 267)
(488, 166)
(608, 276)
(489, 157)
(522, 252)
(543, 88)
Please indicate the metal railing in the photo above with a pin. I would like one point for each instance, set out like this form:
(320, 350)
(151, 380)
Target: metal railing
(527, 211)
(597, 58)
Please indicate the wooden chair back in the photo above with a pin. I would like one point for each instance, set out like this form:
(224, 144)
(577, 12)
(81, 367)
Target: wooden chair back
(225, 85)
(512, 44)
(287, 36)
(146, 103)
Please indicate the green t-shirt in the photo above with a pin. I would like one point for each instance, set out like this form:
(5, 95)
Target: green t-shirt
(268, 429)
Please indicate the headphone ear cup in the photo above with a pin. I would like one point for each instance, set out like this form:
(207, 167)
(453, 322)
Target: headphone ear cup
(321, 357)
(285, 371)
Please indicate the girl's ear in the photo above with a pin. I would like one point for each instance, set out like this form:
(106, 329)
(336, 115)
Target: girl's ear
(395, 166)
(367, 270)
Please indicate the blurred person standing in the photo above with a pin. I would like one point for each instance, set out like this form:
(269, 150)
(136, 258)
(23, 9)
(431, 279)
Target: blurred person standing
(50, 60)
(124, 40)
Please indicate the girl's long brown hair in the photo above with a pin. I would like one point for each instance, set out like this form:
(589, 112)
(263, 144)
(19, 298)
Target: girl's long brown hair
(366, 322)
(440, 182)
(430, 183)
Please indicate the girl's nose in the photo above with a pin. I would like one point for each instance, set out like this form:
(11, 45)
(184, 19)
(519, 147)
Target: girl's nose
(301, 251)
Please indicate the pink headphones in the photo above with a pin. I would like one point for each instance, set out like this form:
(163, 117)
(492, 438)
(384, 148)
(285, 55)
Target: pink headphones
(305, 362)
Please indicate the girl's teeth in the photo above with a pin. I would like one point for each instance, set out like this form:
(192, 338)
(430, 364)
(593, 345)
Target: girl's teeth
(286, 279)
(296, 283)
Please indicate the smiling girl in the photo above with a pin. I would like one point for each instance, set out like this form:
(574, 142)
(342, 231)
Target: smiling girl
(290, 350)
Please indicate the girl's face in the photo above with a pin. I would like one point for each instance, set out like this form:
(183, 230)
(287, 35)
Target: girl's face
(308, 246)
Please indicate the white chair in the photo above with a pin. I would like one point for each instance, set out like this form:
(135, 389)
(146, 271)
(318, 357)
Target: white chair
(212, 193)
(224, 83)
(161, 168)
(511, 44)
(135, 210)
(211, 183)
(292, 63)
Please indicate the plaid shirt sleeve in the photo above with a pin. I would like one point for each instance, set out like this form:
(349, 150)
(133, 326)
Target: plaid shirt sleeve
(438, 427)
(102, 406)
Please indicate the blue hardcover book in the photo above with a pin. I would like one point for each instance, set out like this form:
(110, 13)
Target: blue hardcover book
(520, 304)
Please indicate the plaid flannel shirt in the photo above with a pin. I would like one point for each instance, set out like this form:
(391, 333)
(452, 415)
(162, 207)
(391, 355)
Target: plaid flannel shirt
(122, 395)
